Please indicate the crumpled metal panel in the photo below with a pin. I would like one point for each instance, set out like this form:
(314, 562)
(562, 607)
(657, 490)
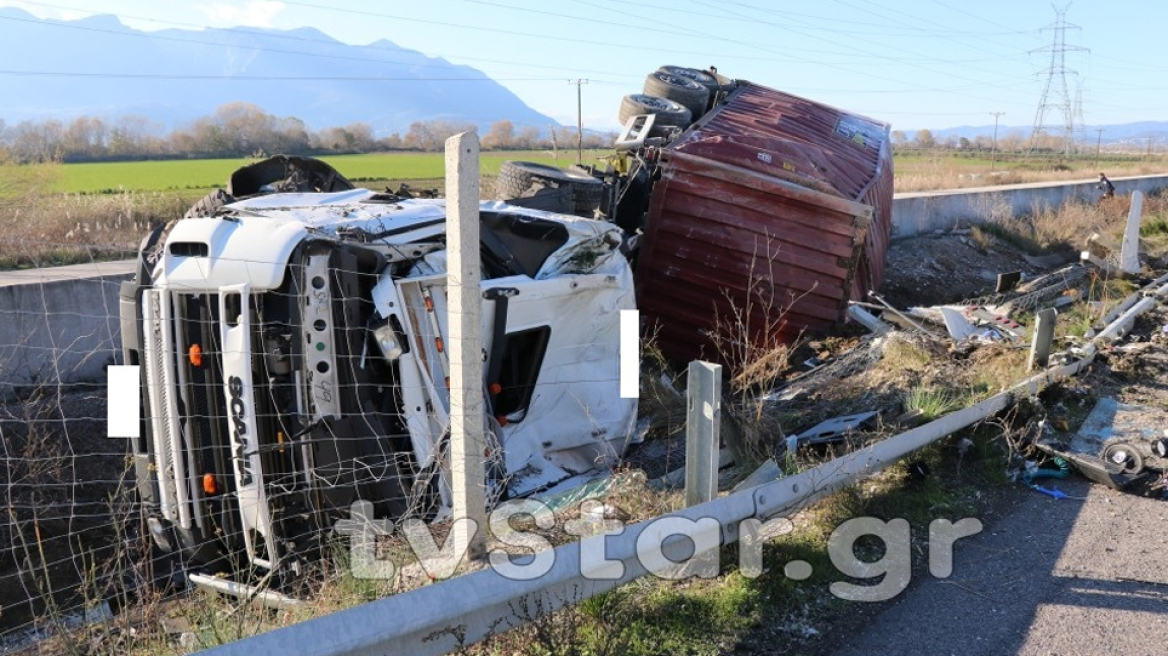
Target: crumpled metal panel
(771, 212)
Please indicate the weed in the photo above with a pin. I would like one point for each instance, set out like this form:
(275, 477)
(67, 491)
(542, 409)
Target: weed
(1157, 225)
(933, 402)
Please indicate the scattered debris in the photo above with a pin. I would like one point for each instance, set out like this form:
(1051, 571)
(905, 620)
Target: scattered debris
(1008, 281)
(898, 316)
(867, 319)
(958, 326)
(1117, 445)
(832, 430)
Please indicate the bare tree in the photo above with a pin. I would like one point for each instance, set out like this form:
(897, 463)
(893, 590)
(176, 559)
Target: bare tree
(421, 136)
(501, 135)
(31, 141)
(85, 139)
(529, 137)
(392, 142)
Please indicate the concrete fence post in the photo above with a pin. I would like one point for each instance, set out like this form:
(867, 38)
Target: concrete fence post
(467, 442)
(1129, 253)
(703, 420)
(1042, 338)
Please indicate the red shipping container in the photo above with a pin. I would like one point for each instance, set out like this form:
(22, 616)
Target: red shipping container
(771, 212)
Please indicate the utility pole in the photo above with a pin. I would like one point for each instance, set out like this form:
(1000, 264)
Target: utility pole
(994, 146)
(1056, 75)
(579, 119)
(1098, 144)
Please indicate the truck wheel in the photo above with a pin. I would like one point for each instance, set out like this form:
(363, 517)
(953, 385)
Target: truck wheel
(668, 112)
(588, 193)
(517, 179)
(678, 88)
(559, 201)
(208, 204)
(711, 83)
(701, 77)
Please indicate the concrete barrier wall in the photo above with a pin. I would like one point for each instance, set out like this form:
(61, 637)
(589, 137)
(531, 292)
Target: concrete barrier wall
(59, 325)
(920, 212)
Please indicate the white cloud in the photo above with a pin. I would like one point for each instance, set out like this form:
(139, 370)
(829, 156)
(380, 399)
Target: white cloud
(253, 13)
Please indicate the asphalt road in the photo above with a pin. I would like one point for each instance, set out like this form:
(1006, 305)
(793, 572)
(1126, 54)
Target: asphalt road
(1066, 577)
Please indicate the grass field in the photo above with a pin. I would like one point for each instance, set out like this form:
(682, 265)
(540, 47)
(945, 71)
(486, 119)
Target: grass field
(941, 169)
(206, 174)
(914, 171)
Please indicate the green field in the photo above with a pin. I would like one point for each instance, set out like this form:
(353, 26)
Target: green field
(914, 171)
(168, 175)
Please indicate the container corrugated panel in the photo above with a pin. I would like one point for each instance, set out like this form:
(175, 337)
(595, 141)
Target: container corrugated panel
(771, 212)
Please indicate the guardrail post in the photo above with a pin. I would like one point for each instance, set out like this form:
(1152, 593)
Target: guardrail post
(703, 420)
(1043, 336)
(467, 443)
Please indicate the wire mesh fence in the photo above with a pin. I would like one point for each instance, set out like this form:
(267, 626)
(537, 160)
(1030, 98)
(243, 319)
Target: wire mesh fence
(66, 531)
(270, 407)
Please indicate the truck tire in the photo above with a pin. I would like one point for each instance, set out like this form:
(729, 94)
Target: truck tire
(701, 77)
(517, 179)
(209, 204)
(711, 83)
(668, 112)
(588, 192)
(683, 90)
(560, 201)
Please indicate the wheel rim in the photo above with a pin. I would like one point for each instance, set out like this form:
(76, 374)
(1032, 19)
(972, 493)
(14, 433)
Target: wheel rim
(678, 81)
(654, 102)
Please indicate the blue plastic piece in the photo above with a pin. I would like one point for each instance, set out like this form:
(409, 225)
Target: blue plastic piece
(1058, 494)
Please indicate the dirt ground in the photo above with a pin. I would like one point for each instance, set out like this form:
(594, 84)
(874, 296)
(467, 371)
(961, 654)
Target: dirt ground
(954, 266)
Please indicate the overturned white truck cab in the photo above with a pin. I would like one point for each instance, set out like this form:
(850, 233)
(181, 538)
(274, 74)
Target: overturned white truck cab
(292, 349)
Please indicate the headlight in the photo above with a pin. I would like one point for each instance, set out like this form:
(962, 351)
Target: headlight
(387, 342)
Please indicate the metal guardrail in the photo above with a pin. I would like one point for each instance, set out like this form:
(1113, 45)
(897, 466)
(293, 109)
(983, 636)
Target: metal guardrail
(446, 616)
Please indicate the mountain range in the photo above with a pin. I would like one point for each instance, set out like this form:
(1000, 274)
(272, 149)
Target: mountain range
(97, 66)
(1126, 133)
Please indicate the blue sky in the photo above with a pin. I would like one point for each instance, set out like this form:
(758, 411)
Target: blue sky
(912, 63)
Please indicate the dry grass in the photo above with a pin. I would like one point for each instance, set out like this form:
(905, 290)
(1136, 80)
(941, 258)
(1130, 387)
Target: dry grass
(73, 228)
(941, 170)
(1067, 227)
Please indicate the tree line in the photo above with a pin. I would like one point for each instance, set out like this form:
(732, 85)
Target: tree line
(243, 130)
(1008, 141)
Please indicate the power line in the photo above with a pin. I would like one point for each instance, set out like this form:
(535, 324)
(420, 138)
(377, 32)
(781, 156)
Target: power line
(300, 39)
(558, 38)
(984, 19)
(980, 83)
(833, 27)
(276, 78)
(836, 20)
